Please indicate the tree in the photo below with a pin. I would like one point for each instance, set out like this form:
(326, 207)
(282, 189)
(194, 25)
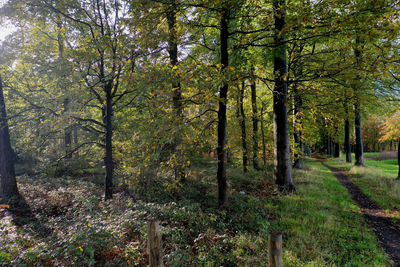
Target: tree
(242, 123)
(347, 144)
(223, 97)
(7, 171)
(176, 86)
(102, 61)
(283, 168)
(359, 153)
(254, 118)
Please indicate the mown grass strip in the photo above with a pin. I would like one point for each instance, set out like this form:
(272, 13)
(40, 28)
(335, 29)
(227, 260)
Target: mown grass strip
(321, 224)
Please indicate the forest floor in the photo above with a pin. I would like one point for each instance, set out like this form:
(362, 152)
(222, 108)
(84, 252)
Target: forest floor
(66, 223)
(387, 231)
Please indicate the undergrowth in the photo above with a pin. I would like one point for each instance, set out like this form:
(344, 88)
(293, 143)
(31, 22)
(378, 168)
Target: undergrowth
(65, 222)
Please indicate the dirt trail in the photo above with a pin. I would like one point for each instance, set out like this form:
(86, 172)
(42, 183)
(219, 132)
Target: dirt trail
(387, 232)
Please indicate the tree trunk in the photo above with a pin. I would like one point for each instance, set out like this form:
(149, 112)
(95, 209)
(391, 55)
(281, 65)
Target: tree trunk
(242, 123)
(263, 138)
(179, 168)
(223, 97)
(7, 171)
(255, 121)
(359, 153)
(359, 144)
(282, 162)
(328, 146)
(347, 145)
(63, 86)
(337, 150)
(75, 128)
(67, 133)
(108, 159)
(297, 132)
(335, 144)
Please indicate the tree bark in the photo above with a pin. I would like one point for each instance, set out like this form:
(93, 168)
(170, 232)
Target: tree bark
(7, 171)
(359, 153)
(282, 162)
(297, 132)
(347, 145)
(63, 87)
(179, 169)
(223, 97)
(337, 150)
(108, 159)
(263, 138)
(335, 143)
(328, 145)
(255, 121)
(242, 123)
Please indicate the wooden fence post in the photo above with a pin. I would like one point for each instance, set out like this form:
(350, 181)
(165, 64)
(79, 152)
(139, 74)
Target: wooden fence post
(154, 244)
(275, 249)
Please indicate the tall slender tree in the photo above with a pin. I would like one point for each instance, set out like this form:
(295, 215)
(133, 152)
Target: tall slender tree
(347, 144)
(172, 10)
(223, 97)
(254, 118)
(359, 152)
(242, 123)
(102, 59)
(63, 83)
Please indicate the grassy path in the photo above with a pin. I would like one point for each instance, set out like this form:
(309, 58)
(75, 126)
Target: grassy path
(377, 180)
(322, 226)
(387, 232)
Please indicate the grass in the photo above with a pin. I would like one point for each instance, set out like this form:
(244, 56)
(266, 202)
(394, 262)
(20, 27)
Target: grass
(73, 227)
(322, 226)
(388, 167)
(376, 179)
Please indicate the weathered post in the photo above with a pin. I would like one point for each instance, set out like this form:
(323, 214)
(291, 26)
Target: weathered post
(154, 244)
(275, 249)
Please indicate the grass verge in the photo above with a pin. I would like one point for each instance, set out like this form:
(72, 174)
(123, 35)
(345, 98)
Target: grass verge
(377, 180)
(322, 225)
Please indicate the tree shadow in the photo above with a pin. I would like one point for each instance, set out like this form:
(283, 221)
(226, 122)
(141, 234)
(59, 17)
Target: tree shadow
(23, 217)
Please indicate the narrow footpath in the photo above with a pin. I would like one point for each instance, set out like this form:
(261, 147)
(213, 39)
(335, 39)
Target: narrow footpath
(387, 232)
